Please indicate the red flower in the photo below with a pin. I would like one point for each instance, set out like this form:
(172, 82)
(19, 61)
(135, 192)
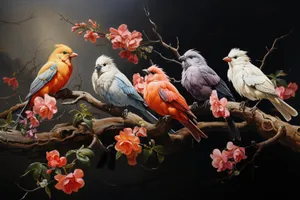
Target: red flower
(128, 144)
(218, 107)
(11, 82)
(288, 92)
(133, 58)
(91, 35)
(71, 182)
(130, 56)
(54, 160)
(235, 152)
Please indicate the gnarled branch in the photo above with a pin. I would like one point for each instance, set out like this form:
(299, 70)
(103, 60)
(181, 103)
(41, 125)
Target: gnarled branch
(265, 124)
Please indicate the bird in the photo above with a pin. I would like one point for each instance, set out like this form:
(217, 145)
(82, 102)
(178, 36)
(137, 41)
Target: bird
(200, 80)
(114, 88)
(250, 82)
(52, 77)
(163, 97)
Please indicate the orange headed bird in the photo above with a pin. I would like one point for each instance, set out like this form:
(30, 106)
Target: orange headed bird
(53, 76)
(162, 97)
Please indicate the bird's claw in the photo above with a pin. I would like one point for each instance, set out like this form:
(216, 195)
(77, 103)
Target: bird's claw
(206, 104)
(166, 118)
(125, 113)
(242, 105)
(253, 110)
(194, 106)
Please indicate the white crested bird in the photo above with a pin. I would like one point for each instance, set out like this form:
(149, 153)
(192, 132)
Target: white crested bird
(250, 82)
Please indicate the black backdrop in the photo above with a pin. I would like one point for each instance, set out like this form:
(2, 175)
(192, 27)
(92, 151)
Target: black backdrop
(213, 27)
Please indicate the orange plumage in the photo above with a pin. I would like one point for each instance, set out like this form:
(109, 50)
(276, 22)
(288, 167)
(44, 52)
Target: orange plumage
(63, 74)
(163, 97)
(53, 76)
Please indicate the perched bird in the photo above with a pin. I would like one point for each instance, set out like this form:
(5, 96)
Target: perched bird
(200, 80)
(162, 97)
(53, 76)
(113, 87)
(250, 82)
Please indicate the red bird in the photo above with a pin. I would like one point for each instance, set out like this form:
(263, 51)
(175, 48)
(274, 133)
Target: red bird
(162, 97)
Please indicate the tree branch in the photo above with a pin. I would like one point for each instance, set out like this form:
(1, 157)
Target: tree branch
(271, 49)
(18, 22)
(265, 124)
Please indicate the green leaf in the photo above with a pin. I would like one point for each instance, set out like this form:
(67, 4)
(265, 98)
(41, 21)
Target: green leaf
(87, 152)
(145, 56)
(279, 73)
(31, 167)
(274, 82)
(37, 173)
(48, 192)
(89, 123)
(118, 155)
(159, 149)
(70, 152)
(44, 173)
(281, 82)
(9, 117)
(236, 172)
(83, 159)
(147, 153)
(76, 119)
(58, 171)
(148, 49)
(4, 125)
(160, 157)
(272, 76)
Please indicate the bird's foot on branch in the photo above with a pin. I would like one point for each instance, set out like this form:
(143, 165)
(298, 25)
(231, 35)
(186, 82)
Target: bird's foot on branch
(206, 104)
(194, 106)
(254, 108)
(242, 105)
(125, 113)
(167, 118)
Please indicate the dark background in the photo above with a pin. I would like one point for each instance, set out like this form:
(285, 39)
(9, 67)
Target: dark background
(210, 26)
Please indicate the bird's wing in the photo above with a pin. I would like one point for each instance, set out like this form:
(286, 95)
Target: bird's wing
(213, 79)
(127, 87)
(209, 75)
(169, 94)
(42, 79)
(255, 78)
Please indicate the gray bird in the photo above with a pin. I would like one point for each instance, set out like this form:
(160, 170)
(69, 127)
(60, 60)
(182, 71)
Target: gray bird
(200, 80)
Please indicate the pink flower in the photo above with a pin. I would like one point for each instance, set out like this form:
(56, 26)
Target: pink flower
(91, 35)
(218, 107)
(11, 82)
(75, 27)
(24, 121)
(288, 92)
(80, 32)
(220, 160)
(235, 152)
(45, 107)
(135, 40)
(123, 38)
(140, 131)
(133, 58)
(94, 24)
(82, 24)
(34, 122)
(138, 83)
(31, 133)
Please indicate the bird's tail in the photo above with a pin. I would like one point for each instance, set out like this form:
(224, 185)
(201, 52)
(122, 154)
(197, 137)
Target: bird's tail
(233, 130)
(22, 112)
(194, 130)
(285, 109)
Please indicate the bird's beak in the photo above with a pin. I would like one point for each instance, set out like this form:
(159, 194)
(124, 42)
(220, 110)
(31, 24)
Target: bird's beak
(98, 67)
(73, 55)
(182, 58)
(227, 59)
(146, 71)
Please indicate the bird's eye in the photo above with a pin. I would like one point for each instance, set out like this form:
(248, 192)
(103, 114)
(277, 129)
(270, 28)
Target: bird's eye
(64, 52)
(104, 64)
(235, 57)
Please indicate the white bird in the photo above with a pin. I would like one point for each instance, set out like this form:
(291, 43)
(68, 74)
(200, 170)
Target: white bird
(250, 82)
(113, 87)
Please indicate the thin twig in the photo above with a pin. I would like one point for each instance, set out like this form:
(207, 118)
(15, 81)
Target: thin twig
(18, 22)
(272, 49)
(165, 58)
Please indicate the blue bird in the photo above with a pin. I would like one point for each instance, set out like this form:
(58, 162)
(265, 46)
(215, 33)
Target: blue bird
(113, 87)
